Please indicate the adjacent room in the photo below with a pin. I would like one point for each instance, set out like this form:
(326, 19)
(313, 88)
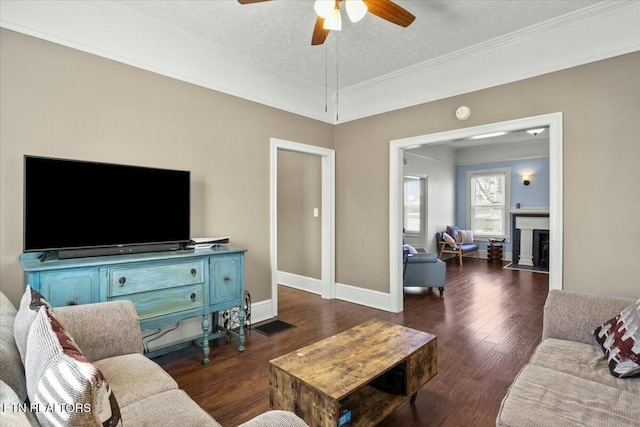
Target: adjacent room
(319, 213)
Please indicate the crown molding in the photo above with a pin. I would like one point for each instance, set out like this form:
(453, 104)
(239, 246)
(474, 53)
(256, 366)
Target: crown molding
(111, 31)
(599, 32)
(106, 29)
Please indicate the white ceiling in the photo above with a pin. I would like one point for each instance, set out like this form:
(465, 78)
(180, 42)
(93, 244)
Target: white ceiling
(277, 34)
(262, 52)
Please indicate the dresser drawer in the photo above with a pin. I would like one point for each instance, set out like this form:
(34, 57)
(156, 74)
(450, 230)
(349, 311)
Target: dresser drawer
(144, 278)
(70, 287)
(166, 301)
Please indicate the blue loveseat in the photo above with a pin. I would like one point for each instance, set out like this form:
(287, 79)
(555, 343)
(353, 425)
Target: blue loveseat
(457, 249)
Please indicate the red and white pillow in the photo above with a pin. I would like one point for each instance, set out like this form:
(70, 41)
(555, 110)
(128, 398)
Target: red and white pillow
(64, 387)
(619, 338)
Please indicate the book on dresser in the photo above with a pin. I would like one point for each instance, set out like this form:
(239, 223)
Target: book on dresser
(208, 242)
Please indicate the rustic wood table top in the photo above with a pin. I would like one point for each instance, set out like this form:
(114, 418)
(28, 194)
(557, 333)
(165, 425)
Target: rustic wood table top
(347, 361)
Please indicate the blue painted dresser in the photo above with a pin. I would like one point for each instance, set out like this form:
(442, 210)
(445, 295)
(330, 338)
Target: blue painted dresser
(166, 287)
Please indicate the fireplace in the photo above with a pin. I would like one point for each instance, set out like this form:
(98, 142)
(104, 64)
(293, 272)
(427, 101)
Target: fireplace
(531, 240)
(541, 249)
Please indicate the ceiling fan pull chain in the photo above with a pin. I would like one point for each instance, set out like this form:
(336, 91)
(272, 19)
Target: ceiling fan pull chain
(337, 73)
(326, 78)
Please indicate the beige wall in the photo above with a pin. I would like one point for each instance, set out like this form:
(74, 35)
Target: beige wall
(600, 103)
(299, 232)
(56, 101)
(60, 102)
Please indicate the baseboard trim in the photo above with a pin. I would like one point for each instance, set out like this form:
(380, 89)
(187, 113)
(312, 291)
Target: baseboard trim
(303, 283)
(361, 296)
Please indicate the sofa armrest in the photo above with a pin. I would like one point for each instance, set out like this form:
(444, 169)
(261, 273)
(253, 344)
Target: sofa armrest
(104, 329)
(275, 418)
(571, 315)
(422, 257)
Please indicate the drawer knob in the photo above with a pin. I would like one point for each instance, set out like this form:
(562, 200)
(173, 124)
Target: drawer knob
(193, 297)
(122, 281)
(72, 302)
(193, 271)
(227, 278)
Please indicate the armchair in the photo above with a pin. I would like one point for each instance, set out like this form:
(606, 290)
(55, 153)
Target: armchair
(424, 270)
(456, 246)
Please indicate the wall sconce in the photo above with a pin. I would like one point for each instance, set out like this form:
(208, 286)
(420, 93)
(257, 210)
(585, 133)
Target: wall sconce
(526, 179)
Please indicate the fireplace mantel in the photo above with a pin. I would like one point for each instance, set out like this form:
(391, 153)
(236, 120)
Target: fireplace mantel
(527, 223)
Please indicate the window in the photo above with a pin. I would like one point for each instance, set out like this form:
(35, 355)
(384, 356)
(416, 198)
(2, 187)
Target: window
(488, 202)
(412, 202)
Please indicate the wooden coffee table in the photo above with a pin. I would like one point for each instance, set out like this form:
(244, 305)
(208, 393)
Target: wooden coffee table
(318, 381)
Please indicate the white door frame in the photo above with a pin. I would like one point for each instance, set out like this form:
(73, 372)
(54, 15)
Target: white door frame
(397, 147)
(327, 269)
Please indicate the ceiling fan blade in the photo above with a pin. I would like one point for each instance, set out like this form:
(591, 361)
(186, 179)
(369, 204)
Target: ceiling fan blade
(388, 10)
(319, 33)
(250, 1)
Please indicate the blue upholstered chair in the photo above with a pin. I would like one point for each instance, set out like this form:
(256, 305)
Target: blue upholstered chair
(456, 249)
(424, 270)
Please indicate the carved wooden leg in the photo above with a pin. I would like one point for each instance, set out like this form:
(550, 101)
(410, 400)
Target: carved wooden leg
(413, 398)
(205, 339)
(241, 330)
(441, 289)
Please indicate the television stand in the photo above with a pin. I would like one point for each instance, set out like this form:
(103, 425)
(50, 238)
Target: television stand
(165, 287)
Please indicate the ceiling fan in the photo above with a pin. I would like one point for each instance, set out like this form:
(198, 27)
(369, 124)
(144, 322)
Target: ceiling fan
(329, 17)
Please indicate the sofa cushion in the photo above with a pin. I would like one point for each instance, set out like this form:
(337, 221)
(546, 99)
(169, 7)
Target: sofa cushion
(133, 377)
(60, 377)
(619, 338)
(30, 303)
(469, 248)
(13, 411)
(581, 360)
(11, 368)
(544, 397)
(167, 409)
(275, 417)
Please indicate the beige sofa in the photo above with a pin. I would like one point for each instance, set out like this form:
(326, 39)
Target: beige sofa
(109, 336)
(567, 381)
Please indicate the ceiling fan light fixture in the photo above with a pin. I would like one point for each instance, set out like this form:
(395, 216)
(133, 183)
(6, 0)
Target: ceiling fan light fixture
(535, 132)
(324, 8)
(356, 9)
(334, 21)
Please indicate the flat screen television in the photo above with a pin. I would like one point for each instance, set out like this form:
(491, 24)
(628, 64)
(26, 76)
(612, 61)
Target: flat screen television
(82, 208)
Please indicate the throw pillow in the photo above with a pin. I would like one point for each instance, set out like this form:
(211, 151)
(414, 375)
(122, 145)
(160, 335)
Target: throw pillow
(447, 238)
(29, 305)
(619, 338)
(11, 367)
(466, 236)
(453, 231)
(63, 386)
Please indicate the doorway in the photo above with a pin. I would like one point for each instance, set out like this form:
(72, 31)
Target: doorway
(415, 209)
(397, 147)
(327, 213)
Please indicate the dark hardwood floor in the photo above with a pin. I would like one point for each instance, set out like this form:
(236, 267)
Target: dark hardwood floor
(488, 322)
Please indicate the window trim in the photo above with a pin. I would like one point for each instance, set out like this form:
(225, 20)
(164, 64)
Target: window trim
(422, 184)
(507, 200)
